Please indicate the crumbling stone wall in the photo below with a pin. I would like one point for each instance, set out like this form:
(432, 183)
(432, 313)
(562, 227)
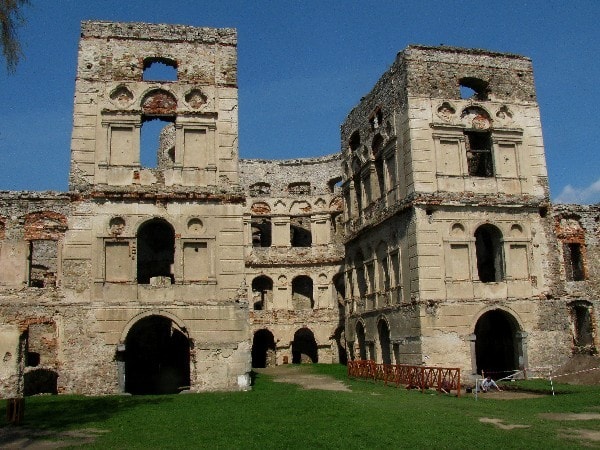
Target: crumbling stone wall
(376, 252)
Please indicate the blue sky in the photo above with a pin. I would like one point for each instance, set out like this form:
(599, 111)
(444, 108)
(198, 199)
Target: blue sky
(303, 65)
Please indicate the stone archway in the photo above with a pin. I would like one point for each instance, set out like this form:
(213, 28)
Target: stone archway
(263, 349)
(498, 344)
(157, 357)
(304, 346)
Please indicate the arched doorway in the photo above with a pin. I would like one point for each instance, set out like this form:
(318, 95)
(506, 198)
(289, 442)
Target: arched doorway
(497, 343)
(384, 341)
(304, 344)
(155, 251)
(263, 349)
(360, 338)
(157, 357)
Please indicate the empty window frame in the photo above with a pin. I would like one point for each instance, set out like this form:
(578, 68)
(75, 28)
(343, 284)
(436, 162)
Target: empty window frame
(302, 293)
(300, 232)
(155, 251)
(479, 153)
(261, 232)
(573, 258)
(473, 88)
(159, 69)
(43, 255)
(262, 292)
(489, 252)
(155, 150)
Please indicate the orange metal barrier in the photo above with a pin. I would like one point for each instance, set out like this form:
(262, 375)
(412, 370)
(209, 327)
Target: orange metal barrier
(419, 377)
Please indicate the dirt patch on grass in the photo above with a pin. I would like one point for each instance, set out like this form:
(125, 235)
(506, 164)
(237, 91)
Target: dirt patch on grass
(299, 375)
(571, 416)
(509, 395)
(583, 435)
(22, 437)
(499, 423)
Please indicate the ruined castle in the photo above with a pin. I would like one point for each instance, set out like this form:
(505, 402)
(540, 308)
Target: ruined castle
(428, 238)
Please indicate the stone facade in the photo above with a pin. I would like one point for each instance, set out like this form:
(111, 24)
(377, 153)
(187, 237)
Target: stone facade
(429, 238)
(451, 250)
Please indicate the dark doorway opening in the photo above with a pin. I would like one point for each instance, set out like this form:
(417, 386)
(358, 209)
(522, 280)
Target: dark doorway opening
(157, 357)
(384, 341)
(360, 337)
(496, 346)
(304, 347)
(263, 349)
(155, 251)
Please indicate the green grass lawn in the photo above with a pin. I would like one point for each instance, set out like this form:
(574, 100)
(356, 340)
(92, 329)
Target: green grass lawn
(277, 415)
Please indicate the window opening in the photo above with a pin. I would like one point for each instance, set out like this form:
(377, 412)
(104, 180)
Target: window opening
(302, 293)
(354, 141)
(155, 251)
(473, 88)
(300, 232)
(43, 254)
(376, 119)
(262, 292)
(159, 69)
(261, 232)
(152, 138)
(490, 259)
(574, 266)
(334, 184)
(583, 328)
(479, 153)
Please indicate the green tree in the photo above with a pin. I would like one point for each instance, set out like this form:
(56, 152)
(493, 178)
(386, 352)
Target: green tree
(10, 19)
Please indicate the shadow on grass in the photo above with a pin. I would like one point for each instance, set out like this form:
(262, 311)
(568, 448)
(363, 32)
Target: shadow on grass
(60, 413)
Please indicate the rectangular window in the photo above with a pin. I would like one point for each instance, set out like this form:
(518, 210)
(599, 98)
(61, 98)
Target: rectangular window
(573, 262)
(479, 153)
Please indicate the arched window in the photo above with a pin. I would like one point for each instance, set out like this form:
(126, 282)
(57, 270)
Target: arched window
(155, 251)
(490, 256)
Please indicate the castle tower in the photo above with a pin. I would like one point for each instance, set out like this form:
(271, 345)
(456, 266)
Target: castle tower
(155, 240)
(446, 197)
